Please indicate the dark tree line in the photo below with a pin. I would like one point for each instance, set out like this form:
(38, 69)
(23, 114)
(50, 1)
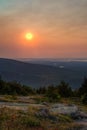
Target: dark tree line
(14, 88)
(82, 91)
(64, 90)
(51, 91)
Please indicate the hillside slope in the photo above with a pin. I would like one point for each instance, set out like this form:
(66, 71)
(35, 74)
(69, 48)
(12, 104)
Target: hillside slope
(38, 75)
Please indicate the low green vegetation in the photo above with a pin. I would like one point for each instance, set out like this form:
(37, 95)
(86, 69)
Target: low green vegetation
(15, 120)
(14, 88)
(50, 93)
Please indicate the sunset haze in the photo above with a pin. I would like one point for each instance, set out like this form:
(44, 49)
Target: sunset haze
(59, 28)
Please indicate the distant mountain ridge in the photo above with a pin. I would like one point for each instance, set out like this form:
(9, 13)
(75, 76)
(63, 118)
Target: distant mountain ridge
(37, 75)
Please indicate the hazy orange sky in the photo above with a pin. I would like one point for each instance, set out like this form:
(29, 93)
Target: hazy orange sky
(59, 28)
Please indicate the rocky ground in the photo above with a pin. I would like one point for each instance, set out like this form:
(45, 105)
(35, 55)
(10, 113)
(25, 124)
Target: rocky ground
(51, 111)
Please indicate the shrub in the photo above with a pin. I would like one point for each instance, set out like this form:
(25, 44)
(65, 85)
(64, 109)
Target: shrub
(84, 99)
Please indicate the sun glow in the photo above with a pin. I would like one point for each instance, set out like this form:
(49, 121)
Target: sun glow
(29, 36)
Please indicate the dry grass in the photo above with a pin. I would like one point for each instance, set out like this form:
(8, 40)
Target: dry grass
(16, 120)
(27, 120)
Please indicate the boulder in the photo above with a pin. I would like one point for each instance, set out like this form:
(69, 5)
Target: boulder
(64, 109)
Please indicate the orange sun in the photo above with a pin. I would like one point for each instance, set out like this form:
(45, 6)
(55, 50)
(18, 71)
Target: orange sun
(29, 36)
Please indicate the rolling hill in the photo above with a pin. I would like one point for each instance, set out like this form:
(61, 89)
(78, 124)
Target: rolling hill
(37, 75)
